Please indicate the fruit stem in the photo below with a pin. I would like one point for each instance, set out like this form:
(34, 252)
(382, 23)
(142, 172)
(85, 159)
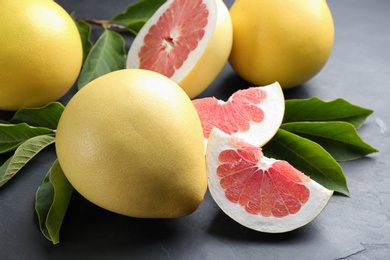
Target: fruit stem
(104, 23)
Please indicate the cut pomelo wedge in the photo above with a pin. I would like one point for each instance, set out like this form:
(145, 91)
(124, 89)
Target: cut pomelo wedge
(188, 41)
(260, 193)
(252, 114)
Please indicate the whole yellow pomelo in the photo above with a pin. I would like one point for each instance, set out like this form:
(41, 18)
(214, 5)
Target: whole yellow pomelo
(40, 53)
(280, 40)
(131, 142)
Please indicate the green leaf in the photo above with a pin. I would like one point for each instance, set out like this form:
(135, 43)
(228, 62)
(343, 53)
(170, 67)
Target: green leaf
(52, 201)
(11, 135)
(23, 155)
(340, 139)
(46, 116)
(135, 26)
(137, 14)
(315, 109)
(85, 33)
(308, 157)
(108, 54)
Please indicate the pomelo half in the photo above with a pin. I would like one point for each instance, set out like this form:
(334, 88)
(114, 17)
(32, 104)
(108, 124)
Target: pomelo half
(260, 193)
(252, 114)
(188, 41)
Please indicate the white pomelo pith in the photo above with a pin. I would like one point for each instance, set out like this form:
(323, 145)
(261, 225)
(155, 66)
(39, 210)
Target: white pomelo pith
(252, 114)
(260, 193)
(188, 41)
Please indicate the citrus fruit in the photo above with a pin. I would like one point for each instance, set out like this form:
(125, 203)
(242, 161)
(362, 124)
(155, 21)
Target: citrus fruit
(253, 114)
(280, 40)
(185, 40)
(131, 142)
(260, 193)
(40, 54)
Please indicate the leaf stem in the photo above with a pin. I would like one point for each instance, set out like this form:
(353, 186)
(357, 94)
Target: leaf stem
(104, 23)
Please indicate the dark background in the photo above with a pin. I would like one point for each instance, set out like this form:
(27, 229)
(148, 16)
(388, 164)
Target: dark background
(349, 228)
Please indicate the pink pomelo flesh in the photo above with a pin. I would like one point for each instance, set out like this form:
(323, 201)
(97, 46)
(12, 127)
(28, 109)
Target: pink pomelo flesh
(270, 190)
(253, 114)
(234, 116)
(175, 35)
(261, 193)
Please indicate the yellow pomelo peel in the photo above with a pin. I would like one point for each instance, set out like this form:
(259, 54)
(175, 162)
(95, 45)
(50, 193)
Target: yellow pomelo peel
(40, 54)
(131, 142)
(280, 40)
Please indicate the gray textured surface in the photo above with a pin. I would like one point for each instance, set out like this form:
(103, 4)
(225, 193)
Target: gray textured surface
(349, 228)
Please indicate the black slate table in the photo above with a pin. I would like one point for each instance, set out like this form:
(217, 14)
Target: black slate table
(349, 228)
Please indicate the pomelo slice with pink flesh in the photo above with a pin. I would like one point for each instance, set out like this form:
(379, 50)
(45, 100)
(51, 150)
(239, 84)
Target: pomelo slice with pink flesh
(188, 41)
(260, 193)
(252, 114)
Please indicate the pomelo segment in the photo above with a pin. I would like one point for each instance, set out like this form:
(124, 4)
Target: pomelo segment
(263, 194)
(188, 41)
(252, 114)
